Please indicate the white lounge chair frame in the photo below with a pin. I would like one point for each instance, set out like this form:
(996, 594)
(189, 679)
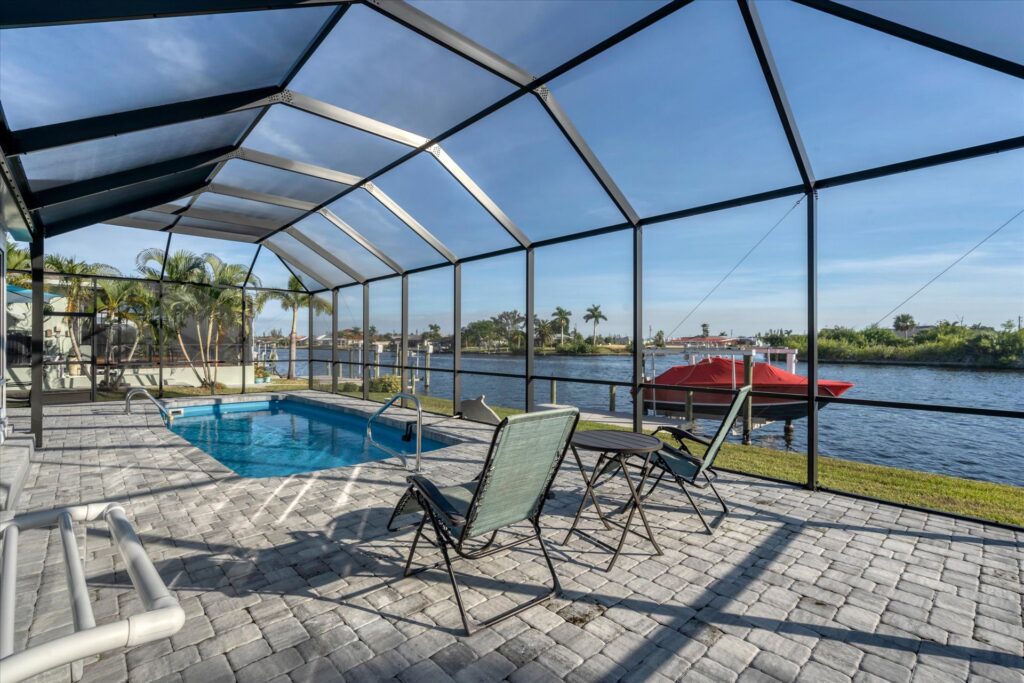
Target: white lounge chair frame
(163, 616)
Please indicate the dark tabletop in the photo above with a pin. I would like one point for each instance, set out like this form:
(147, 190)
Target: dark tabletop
(611, 441)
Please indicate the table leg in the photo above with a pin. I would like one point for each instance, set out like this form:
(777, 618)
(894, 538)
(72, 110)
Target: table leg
(592, 484)
(634, 505)
(588, 491)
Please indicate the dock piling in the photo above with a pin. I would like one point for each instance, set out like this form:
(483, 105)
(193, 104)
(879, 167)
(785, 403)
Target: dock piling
(748, 404)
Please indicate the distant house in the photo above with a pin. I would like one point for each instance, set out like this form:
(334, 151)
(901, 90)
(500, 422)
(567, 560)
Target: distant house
(702, 342)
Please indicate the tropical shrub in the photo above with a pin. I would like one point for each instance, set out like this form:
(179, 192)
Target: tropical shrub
(387, 384)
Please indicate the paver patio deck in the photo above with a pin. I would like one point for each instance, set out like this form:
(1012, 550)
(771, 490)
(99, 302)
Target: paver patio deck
(296, 579)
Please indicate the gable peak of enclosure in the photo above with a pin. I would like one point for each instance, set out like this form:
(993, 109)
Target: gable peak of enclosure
(362, 140)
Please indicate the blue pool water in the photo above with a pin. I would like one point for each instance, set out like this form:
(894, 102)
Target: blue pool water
(278, 438)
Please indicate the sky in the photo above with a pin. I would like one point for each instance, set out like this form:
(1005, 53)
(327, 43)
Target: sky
(679, 115)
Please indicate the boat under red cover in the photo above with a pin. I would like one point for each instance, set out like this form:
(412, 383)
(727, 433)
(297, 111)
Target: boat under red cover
(724, 373)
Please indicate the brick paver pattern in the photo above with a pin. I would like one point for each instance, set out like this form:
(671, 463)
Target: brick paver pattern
(297, 579)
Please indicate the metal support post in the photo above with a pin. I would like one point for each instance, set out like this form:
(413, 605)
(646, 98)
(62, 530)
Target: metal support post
(812, 340)
(457, 337)
(36, 392)
(530, 331)
(638, 327)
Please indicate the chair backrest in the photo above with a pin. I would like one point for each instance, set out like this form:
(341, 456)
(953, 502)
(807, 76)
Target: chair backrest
(524, 456)
(723, 430)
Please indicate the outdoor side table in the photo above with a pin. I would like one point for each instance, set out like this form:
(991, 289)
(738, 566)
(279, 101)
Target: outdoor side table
(615, 449)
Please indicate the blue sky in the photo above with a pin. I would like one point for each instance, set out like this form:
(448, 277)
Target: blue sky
(680, 116)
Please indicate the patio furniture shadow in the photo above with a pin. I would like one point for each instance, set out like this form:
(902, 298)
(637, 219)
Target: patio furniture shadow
(349, 553)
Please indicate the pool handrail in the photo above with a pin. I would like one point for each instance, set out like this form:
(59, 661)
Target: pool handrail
(137, 391)
(419, 428)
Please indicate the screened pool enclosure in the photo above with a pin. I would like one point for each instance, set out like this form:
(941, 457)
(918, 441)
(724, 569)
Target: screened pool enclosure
(224, 196)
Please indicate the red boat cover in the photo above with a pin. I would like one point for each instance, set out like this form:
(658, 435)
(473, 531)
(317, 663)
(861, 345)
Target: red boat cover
(718, 372)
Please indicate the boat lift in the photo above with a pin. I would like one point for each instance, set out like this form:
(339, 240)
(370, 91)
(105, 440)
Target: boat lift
(750, 355)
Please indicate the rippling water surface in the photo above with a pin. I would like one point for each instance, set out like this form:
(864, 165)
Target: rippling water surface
(986, 448)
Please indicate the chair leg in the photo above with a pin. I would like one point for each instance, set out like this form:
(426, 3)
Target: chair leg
(725, 508)
(415, 540)
(451, 576)
(394, 513)
(695, 507)
(547, 558)
(657, 481)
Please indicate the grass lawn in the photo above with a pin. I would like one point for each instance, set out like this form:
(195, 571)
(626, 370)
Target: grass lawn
(193, 392)
(981, 499)
(984, 500)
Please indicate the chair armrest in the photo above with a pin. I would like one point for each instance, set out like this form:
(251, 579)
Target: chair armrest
(682, 434)
(436, 498)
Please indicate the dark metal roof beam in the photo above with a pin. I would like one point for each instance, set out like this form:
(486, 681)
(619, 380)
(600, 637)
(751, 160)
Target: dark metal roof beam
(261, 197)
(290, 270)
(771, 76)
(93, 217)
(330, 258)
(914, 36)
(924, 162)
(351, 119)
(57, 12)
(360, 240)
(414, 225)
(325, 29)
(13, 172)
(296, 166)
(389, 132)
(31, 140)
(113, 181)
(214, 234)
(248, 273)
(233, 218)
(129, 222)
(429, 27)
(445, 36)
(587, 155)
(292, 262)
(629, 31)
(479, 195)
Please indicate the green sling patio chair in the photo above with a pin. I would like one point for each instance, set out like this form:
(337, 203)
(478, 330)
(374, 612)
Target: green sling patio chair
(526, 452)
(686, 467)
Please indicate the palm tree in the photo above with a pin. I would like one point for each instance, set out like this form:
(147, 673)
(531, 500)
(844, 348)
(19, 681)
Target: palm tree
(904, 323)
(179, 302)
(73, 273)
(144, 313)
(181, 266)
(115, 299)
(225, 305)
(292, 301)
(433, 332)
(510, 324)
(562, 318)
(18, 259)
(543, 329)
(595, 316)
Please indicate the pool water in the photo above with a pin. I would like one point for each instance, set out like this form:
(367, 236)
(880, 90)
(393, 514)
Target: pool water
(278, 438)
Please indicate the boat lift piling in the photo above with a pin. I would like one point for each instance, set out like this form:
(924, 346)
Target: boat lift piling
(690, 404)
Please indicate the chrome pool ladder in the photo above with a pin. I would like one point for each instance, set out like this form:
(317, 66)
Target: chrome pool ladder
(139, 391)
(419, 429)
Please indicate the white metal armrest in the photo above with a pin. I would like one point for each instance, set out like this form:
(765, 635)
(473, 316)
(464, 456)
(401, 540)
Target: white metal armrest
(162, 618)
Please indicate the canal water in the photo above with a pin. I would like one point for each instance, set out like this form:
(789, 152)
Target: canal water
(975, 447)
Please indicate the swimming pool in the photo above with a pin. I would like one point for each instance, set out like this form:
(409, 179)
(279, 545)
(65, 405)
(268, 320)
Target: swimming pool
(281, 437)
